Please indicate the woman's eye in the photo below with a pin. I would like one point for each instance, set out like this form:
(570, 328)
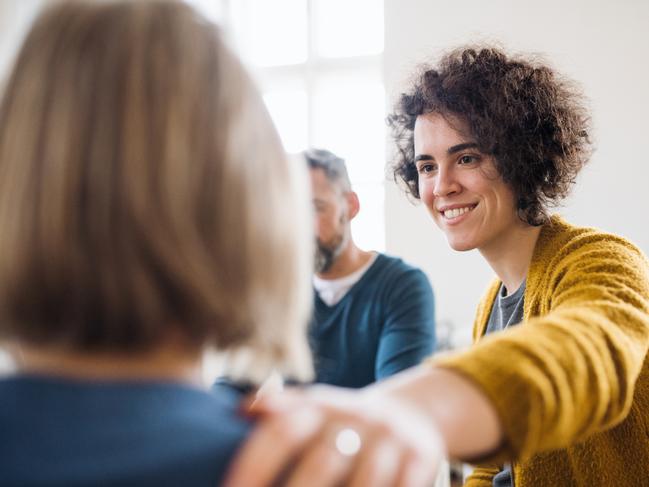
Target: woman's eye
(426, 168)
(467, 159)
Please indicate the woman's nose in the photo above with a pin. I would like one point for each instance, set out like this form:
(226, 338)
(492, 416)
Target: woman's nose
(445, 183)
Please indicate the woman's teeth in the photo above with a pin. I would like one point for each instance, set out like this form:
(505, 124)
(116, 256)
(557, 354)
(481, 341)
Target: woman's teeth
(455, 212)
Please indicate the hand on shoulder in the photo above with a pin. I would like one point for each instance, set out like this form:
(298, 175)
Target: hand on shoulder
(326, 436)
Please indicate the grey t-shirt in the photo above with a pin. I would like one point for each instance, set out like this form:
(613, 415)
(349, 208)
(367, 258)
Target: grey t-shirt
(507, 311)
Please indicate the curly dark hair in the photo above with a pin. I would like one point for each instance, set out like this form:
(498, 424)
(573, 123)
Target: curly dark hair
(531, 120)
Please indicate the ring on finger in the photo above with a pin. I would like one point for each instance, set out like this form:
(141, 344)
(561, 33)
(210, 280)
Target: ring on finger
(348, 442)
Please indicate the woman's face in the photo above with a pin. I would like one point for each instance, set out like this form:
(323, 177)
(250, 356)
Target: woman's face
(460, 185)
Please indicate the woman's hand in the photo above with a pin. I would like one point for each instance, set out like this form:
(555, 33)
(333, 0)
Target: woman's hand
(326, 436)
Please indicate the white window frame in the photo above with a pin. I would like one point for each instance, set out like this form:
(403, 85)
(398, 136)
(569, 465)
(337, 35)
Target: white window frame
(307, 74)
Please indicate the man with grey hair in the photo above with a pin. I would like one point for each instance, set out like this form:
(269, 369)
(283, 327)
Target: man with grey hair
(373, 314)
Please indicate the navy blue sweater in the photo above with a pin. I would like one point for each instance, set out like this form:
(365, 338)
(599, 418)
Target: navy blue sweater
(65, 433)
(384, 324)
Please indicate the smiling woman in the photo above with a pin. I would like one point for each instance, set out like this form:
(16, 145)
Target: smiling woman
(558, 392)
(515, 110)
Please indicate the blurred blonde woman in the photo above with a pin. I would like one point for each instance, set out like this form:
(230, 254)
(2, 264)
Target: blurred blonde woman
(147, 212)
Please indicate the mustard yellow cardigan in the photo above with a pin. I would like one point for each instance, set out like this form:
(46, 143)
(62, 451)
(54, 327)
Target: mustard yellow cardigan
(571, 382)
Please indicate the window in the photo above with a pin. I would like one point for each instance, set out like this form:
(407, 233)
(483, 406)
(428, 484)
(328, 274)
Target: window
(319, 66)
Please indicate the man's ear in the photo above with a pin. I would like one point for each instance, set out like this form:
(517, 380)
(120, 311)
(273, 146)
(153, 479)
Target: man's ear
(353, 205)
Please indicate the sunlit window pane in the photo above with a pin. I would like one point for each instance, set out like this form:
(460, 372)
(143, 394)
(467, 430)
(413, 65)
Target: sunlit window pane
(348, 28)
(212, 9)
(288, 108)
(369, 225)
(272, 33)
(349, 119)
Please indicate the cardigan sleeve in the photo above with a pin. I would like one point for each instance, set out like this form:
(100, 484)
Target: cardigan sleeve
(482, 476)
(571, 371)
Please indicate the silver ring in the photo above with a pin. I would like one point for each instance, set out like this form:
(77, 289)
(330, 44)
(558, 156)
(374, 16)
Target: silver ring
(348, 442)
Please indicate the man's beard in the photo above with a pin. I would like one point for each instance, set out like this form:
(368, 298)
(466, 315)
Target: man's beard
(326, 254)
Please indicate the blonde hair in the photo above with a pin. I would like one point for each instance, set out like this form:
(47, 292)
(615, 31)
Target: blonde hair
(143, 188)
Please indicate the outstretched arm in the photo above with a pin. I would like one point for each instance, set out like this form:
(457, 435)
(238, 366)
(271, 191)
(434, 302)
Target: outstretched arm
(402, 428)
(570, 373)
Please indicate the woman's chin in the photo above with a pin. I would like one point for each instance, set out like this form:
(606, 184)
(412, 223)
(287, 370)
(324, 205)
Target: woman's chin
(460, 244)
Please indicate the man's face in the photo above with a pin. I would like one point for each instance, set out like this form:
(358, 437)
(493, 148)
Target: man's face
(332, 228)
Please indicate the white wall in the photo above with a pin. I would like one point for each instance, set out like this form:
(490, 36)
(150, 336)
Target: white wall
(604, 46)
